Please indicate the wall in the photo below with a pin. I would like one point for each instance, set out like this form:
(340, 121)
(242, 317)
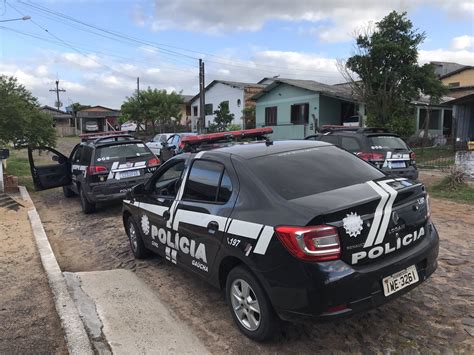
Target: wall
(329, 111)
(283, 96)
(221, 92)
(465, 78)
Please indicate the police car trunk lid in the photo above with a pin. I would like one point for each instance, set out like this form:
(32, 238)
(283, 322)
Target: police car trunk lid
(374, 219)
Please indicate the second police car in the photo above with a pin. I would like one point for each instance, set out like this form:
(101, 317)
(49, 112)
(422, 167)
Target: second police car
(289, 229)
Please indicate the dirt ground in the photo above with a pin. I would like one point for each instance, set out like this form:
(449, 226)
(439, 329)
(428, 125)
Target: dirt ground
(28, 320)
(434, 317)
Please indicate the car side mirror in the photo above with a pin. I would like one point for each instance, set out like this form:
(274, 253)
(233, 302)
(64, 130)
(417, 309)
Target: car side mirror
(55, 158)
(139, 189)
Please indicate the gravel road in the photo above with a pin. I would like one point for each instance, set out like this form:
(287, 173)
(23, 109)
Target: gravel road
(438, 316)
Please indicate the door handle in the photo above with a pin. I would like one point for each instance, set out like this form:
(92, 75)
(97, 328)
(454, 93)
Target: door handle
(166, 215)
(212, 227)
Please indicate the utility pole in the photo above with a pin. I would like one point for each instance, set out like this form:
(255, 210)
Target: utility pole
(57, 91)
(202, 99)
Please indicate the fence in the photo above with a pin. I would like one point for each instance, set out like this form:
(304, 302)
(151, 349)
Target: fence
(439, 157)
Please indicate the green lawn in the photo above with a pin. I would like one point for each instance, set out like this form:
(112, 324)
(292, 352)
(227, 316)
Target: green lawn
(464, 194)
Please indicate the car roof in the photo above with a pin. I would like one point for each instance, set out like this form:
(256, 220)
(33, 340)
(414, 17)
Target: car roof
(252, 150)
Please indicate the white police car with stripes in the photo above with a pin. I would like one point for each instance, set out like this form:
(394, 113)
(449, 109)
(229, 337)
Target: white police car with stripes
(290, 229)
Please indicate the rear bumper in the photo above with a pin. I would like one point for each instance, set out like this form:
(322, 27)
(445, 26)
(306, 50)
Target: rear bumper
(410, 172)
(112, 190)
(336, 283)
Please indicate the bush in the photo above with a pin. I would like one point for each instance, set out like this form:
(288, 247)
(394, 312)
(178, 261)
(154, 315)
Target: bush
(456, 179)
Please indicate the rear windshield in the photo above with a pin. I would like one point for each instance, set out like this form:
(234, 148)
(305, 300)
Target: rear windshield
(352, 119)
(307, 172)
(122, 151)
(387, 142)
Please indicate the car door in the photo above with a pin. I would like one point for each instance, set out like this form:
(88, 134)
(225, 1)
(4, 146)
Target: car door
(77, 167)
(202, 214)
(169, 148)
(49, 168)
(155, 204)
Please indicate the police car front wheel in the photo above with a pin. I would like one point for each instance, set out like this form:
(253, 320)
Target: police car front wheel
(249, 305)
(136, 241)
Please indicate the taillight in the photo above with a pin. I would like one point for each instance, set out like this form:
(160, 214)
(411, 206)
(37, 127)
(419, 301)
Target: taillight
(96, 169)
(370, 156)
(181, 145)
(314, 243)
(413, 157)
(428, 206)
(153, 162)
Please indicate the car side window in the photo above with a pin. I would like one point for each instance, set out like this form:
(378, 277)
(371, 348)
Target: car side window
(162, 138)
(207, 182)
(76, 158)
(167, 183)
(329, 139)
(86, 156)
(351, 144)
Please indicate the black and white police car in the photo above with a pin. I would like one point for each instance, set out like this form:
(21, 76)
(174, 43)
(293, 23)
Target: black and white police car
(102, 168)
(289, 229)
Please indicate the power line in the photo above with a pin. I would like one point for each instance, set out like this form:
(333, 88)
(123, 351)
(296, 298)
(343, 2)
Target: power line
(160, 45)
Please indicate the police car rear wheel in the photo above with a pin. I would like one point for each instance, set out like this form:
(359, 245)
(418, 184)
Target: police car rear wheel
(249, 305)
(87, 207)
(136, 241)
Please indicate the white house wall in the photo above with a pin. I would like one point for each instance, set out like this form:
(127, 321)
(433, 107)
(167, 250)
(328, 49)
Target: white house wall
(221, 92)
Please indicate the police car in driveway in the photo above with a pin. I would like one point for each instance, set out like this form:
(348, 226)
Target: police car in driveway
(289, 229)
(102, 168)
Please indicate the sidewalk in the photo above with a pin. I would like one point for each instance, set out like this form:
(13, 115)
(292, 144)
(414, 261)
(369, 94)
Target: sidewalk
(28, 319)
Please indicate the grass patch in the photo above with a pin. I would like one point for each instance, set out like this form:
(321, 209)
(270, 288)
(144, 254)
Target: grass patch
(464, 193)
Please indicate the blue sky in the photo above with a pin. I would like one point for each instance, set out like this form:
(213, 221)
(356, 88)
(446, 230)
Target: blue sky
(241, 41)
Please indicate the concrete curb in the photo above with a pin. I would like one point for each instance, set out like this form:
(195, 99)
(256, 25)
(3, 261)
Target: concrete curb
(75, 333)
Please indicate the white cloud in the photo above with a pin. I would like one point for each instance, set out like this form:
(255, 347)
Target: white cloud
(462, 42)
(462, 57)
(90, 61)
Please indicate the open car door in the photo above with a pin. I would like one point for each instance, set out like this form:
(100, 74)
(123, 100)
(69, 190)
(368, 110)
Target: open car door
(50, 169)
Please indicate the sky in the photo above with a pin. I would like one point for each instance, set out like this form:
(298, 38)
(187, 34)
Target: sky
(97, 48)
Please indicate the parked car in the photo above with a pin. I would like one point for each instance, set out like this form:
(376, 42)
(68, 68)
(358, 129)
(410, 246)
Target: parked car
(172, 145)
(156, 143)
(131, 127)
(99, 169)
(92, 126)
(352, 121)
(384, 149)
(290, 230)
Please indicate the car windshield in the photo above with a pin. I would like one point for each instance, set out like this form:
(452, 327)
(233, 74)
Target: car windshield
(120, 151)
(387, 142)
(305, 172)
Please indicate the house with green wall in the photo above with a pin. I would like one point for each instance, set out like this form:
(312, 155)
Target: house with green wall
(295, 108)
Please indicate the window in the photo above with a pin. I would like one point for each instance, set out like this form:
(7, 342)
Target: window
(188, 110)
(207, 182)
(86, 156)
(195, 110)
(454, 85)
(76, 159)
(208, 109)
(435, 116)
(118, 151)
(387, 142)
(330, 139)
(300, 113)
(271, 116)
(166, 184)
(351, 144)
(325, 169)
(239, 102)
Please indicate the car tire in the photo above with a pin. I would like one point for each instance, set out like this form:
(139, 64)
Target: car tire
(136, 241)
(87, 207)
(68, 192)
(250, 306)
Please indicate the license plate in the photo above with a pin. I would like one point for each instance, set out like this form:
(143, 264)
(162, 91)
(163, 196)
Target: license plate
(400, 280)
(129, 174)
(397, 164)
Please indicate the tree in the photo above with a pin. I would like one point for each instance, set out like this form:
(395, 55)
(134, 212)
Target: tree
(223, 118)
(20, 116)
(384, 73)
(154, 107)
(249, 115)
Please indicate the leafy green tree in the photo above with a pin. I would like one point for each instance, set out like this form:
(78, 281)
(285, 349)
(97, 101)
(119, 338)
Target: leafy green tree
(20, 116)
(222, 117)
(249, 117)
(153, 107)
(387, 75)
